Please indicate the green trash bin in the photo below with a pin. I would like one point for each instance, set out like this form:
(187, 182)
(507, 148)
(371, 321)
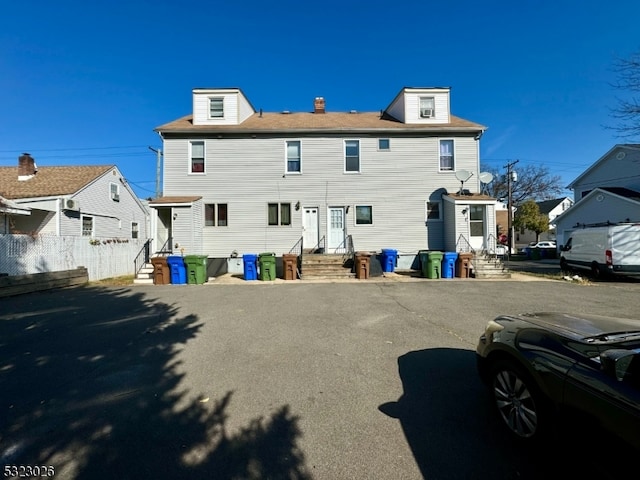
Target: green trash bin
(267, 262)
(434, 264)
(196, 269)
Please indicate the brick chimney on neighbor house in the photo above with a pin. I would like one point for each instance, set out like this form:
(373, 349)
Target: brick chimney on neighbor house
(26, 167)
(318, 105)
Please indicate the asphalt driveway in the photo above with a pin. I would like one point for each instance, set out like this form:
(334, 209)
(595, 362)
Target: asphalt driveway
(365, 380)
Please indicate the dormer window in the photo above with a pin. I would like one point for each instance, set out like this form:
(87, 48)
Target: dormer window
(427, 107)
(216, 107)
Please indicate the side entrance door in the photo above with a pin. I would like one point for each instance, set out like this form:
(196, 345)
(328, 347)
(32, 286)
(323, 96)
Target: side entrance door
(310, 227)
(336, 228)
(477, 226)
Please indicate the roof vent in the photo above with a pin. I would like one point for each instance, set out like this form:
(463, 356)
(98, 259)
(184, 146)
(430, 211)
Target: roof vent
(353, 111)
(286, 112)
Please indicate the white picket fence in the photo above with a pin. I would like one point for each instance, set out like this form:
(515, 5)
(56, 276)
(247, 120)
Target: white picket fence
(103, 258)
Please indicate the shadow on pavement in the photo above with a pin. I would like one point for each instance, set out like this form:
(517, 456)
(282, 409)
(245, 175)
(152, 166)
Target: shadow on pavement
(90, 386)
(450, 425)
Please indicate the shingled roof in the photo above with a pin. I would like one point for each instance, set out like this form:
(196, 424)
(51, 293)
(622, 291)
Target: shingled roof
(330, 122)
(49, 181)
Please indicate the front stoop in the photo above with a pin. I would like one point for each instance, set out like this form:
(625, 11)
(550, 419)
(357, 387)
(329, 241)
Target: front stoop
(315, 266)
(489, 266)
(145, 275)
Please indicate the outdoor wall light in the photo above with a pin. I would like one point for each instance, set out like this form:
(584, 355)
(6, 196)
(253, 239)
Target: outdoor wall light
(347, 210)
(464, 211)
(298, 206)
(175, 215)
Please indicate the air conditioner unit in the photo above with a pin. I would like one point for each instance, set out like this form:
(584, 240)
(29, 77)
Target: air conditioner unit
(115, 197)
(426, 112)
(70, 204)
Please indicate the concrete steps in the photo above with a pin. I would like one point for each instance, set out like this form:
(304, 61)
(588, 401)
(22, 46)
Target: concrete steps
(145, 275)
(489, 266)
(325, 266)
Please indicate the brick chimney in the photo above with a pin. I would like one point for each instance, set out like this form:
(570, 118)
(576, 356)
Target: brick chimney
(318, 105)
(26, 167)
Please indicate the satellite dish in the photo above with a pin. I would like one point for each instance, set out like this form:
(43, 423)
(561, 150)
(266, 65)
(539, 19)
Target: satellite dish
(485, 178)
(463, 176)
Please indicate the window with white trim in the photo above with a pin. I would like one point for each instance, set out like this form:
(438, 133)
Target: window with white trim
(433, 211)
(427, 107)
(87, 226)
(215, 215)
(134, 230)
(447, 162)
(216, 107)
(293, 157)
(114, 192)
(352, 155)
(364, 215)
(384, 144)
(197, 156)
(476, 220)
(279, 214)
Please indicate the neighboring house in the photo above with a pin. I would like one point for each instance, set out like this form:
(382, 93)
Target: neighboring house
(237, 180)
(9, 210)
(607, 192)
(550, 208)
(91, 201)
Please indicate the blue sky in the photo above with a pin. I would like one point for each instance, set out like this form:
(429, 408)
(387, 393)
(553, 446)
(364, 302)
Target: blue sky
(87, 82)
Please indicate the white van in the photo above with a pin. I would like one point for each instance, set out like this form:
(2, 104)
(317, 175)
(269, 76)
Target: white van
(611, 249)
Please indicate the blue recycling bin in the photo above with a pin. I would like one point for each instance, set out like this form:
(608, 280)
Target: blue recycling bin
(449, 264)
(177, 269)
(389, 257)
(250, 266)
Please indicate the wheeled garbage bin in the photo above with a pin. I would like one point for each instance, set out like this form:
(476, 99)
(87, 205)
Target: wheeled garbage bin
(463, 265)
(449, 264)
(196, 269)
(267, 262)
(362, 265)
(423, 256)
(250, 266)
(290, 266)
(389, 259)
(178, 269)
(161, 274)
(434, 265)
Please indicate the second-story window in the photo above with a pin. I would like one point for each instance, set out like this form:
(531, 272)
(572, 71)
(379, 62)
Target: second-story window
(114, 192)
(293, 157)
(446, 155)
(216, 107)
(197, 157)
(352, 155)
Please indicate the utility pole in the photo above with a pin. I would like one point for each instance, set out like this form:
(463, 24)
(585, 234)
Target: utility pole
(508, 166)
(158, 168)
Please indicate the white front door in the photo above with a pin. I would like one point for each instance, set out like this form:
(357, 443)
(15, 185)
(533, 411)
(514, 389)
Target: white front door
(477, 226)
(336, 228)
(310, 227)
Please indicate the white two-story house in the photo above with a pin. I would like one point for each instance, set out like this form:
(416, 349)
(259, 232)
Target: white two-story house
(237, 180)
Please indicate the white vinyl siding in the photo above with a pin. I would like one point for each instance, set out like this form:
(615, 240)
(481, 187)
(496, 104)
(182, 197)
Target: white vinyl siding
(236, 107)
(250, 177)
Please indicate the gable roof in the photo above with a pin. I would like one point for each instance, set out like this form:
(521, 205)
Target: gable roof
(624, 193)
(602, 159)
(330, 122)
(49, 181)
(547, 205)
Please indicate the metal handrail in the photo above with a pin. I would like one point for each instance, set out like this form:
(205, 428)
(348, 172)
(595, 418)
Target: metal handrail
(166, 248)
(298, 247)
(463, 245)
(349, 248)
(320, 246)
(143, 257)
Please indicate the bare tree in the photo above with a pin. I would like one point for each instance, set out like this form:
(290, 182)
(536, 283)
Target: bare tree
(626, 111)
(534, 182)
